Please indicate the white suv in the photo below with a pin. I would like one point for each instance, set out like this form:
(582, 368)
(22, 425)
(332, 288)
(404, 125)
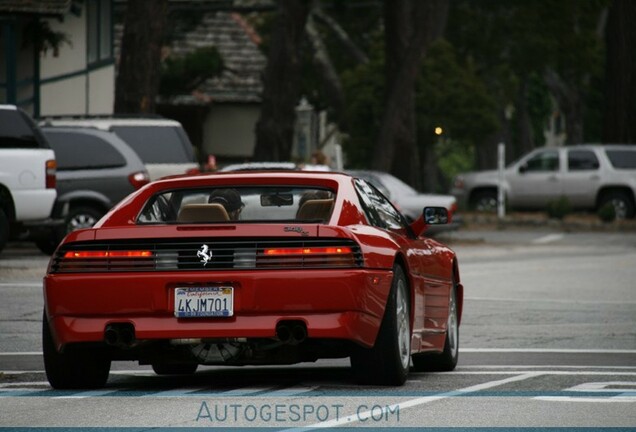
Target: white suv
(589, 176)
(27, 177)
(161, 144)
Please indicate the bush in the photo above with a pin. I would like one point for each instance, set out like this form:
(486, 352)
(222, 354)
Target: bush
(559, 208)
(607, 213)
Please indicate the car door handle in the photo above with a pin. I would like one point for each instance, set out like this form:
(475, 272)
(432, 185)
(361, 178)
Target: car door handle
(595, 177)
(552, 178)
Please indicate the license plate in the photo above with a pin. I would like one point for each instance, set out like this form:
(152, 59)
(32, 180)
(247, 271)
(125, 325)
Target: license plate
(196, 302)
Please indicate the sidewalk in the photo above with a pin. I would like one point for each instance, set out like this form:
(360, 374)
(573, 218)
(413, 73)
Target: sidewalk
(576, 222)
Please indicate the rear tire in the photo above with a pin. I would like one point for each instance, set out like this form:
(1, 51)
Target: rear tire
(82, 217)
(484, 201)
(72, 370)
(387, 363)
(447, 359)
(47, 245)
(622, 202)
(174, 368)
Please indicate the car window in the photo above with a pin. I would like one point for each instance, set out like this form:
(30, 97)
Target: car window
(582, 160)
(17, 130)
(379, 209)
(83, 151)
(156, 144)
(544, 161)
(622, 159)
(240, 204)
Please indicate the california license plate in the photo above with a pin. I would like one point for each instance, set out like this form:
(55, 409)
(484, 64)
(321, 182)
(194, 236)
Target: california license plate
(196, 302)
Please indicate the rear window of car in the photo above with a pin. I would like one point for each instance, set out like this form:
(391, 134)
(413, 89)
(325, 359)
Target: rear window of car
(239, 204)
(17, 130)
(622, 159)
(157, 144)
(75, 151)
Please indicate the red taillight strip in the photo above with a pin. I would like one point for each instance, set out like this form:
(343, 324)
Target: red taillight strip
(109, 254)
(309, 251)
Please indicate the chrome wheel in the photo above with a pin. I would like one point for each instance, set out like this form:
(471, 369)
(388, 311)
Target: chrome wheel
(81, 221)
(620, 208)
(403, 326)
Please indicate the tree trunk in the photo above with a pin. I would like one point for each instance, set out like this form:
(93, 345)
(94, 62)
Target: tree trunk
(619, 125)
(524, 123)
(570, 103)
(327, 72)
(410, 26)
(137, 82)
(281, 84)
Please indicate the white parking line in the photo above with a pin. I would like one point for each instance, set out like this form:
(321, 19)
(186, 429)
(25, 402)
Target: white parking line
(548, 350)
(551, 300)
(24, 284)
(550, 238)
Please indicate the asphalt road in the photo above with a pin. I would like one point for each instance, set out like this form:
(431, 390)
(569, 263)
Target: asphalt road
(548, 339)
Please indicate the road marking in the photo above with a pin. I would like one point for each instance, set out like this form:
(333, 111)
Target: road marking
(362, 416)
(25, 284)
(550, 238)
(563, 301)
(613, 394)
(548, 350)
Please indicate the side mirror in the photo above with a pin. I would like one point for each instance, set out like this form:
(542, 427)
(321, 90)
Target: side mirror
(435, 215)
(523, 168)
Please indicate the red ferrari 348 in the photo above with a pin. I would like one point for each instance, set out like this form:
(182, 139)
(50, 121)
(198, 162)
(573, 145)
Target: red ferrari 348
(252, 269)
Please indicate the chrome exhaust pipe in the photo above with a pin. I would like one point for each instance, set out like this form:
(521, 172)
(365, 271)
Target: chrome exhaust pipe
(283, 333)
(299, 333)
(111, 336)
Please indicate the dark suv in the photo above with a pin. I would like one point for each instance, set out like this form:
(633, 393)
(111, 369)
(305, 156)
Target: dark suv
(95, 170)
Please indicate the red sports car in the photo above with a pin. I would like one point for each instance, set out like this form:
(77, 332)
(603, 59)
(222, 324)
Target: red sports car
(252, 269)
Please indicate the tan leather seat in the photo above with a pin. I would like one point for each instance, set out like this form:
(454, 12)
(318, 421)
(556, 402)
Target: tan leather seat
(319, 209)
(202, 213)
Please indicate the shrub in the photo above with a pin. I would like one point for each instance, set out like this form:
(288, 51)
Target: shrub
(607, 213)
(559, 208)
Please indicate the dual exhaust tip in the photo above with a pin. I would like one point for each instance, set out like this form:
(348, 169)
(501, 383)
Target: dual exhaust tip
(120, 335)
(291, 332)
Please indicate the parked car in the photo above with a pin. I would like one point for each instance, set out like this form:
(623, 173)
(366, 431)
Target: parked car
(589, 176)
(162, 144)
(96, 170)
(408, 200)
(251, 269)
(27, 178)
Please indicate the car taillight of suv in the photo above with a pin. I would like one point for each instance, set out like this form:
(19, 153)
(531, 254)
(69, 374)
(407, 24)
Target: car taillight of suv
(51, 168)
(139, 179)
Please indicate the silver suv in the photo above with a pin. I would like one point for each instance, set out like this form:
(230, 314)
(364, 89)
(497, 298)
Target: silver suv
(589, 176)
(162, 144)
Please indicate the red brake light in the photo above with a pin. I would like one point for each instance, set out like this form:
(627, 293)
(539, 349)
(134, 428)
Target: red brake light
(109, 254)
(309, 251)
(50, 169)
(139, 179)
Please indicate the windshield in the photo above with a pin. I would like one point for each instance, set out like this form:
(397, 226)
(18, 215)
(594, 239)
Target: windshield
(239, 204)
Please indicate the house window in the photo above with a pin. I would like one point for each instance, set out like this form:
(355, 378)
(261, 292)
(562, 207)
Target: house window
(99, 31)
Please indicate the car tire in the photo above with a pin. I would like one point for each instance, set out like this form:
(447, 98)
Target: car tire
(447, 359)
(622, 202)
(82, 217)
(484, 201)
(174, 368)
(387, 363)
(4, 229)
(47, 245)
(72, 370)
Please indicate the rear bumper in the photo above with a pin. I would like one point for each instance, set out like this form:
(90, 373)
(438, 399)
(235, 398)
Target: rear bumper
(341, 304)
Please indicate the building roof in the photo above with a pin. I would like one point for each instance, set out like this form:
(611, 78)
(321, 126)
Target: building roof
(237, 42)
(38, 7)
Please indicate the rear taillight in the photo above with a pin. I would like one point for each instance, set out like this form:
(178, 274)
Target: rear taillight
(50, 169)
(139, 179)
(104, 260)
(331, 256)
